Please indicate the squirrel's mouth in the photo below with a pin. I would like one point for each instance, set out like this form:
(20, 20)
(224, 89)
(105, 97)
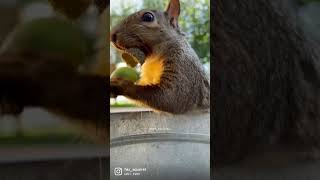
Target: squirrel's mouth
(144, 49)
(118, 46)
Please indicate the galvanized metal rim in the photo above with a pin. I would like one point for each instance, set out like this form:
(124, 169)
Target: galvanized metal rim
(156, 137)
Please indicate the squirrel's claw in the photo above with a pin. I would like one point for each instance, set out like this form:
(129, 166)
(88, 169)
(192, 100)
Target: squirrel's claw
(119, 86)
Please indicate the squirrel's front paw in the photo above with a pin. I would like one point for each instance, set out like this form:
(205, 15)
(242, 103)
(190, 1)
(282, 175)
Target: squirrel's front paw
(119, 86)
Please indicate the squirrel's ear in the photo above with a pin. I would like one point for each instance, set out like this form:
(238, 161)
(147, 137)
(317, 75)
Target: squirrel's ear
(173, 11)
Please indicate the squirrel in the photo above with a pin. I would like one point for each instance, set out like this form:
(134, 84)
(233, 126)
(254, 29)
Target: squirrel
(172, 77)
(49, 81)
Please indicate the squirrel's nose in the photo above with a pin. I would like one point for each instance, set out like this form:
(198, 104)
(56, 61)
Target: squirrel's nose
(113, 37)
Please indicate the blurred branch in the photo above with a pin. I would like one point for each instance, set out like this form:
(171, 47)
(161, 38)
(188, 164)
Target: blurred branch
(101, 4)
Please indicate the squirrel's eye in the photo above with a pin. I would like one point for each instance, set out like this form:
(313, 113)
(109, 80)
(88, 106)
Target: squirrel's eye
(147, 17)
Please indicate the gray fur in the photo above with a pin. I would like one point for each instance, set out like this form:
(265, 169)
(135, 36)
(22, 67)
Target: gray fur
(184, 85)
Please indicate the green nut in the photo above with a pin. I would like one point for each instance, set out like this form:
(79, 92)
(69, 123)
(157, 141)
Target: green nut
(126, 73)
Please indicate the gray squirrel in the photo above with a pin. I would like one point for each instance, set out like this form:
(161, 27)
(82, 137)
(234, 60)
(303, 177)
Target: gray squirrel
(172, 77)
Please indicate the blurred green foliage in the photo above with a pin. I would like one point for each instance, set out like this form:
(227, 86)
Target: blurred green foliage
(44, 136)
(50, 36)
(194, 20)
(117, 105)
(37, 139)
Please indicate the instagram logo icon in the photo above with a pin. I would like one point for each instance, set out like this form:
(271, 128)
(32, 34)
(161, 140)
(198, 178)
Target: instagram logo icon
(118, 171)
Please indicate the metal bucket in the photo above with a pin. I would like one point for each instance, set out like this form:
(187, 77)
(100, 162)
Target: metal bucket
(148, 145)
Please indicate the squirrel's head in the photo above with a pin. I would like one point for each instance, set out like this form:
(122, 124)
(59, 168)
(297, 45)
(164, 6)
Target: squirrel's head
(147, 28)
